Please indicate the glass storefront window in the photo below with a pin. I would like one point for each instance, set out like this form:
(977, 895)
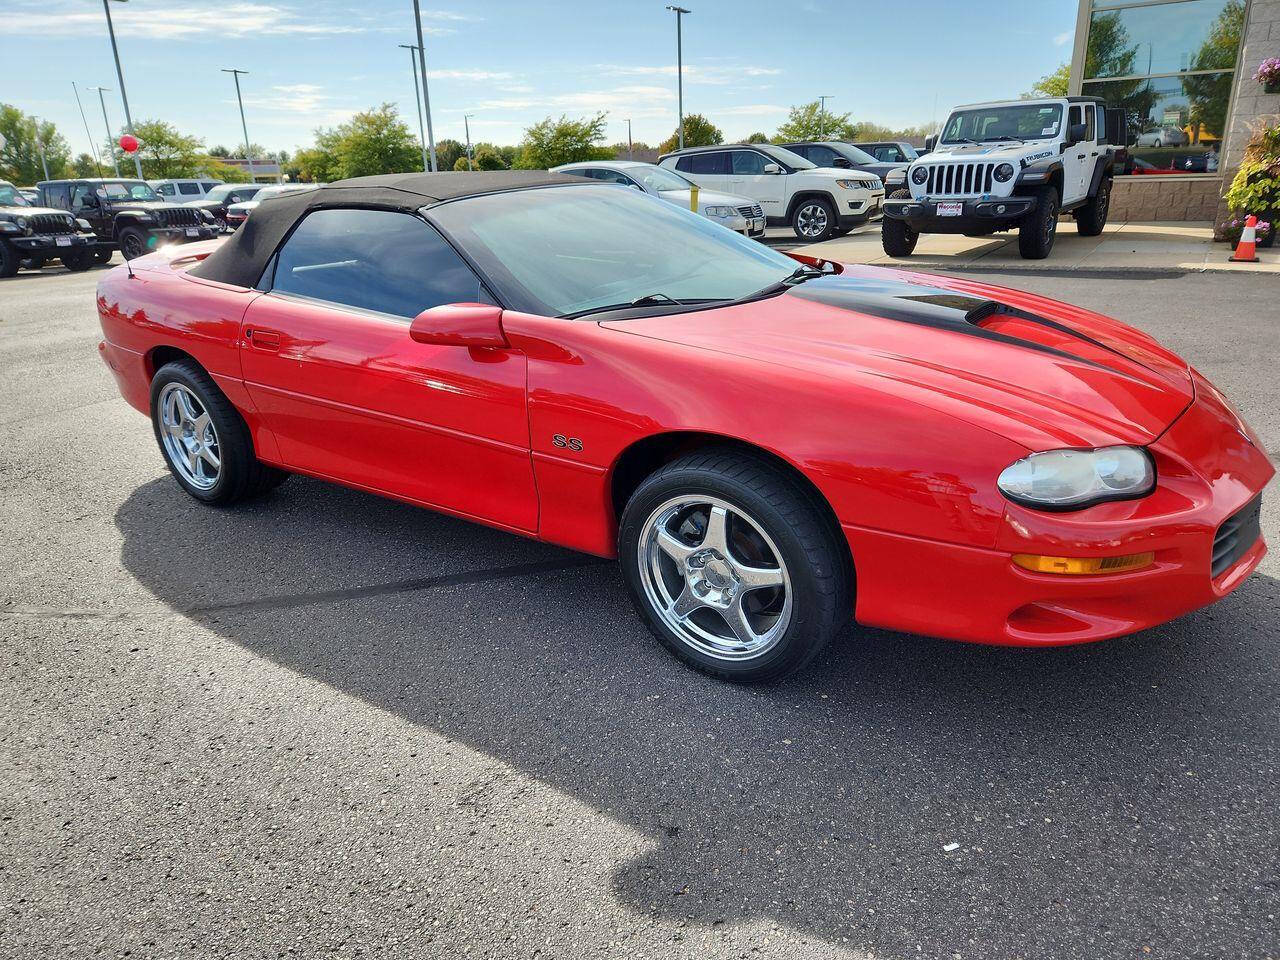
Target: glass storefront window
(1169, 66)
(1163, 38)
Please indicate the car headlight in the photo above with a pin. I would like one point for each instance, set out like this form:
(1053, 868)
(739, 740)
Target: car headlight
(718, 211)
(10, 226)
(1072, 479)
(851, 184)
(84, 224)
(205, 215)
(1003, 172)
(919, 175)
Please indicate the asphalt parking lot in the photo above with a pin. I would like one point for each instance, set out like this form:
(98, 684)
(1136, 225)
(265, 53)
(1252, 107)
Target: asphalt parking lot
(330, 724)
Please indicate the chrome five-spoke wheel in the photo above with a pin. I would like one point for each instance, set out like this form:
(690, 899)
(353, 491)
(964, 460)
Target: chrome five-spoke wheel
(714, 577)
(812, 220)
(189, 438)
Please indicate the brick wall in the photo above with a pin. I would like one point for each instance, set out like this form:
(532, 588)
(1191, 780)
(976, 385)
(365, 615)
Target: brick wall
(1250, 105)
(1163, 198)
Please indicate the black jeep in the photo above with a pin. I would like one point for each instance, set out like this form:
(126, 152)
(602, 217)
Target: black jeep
(126, 214)
(32, 235)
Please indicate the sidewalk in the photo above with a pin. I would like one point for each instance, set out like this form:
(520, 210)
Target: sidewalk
(1122, 246)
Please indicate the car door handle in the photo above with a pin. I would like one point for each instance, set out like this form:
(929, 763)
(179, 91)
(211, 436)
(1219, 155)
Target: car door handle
(263, 339)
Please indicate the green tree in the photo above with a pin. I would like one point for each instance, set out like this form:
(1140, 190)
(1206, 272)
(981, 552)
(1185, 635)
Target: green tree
(1054, 84)
(810, 122)
(319, 163)
(698, 132)
(85, 166)
(757, 138)
(447, 153)
(20, 156)
(376, 141)
(165, 151)
(485, 156)
(552, 142)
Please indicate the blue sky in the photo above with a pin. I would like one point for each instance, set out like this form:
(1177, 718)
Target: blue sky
(511, 63)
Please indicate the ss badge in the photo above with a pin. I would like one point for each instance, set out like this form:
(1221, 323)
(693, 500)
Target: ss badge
(560, 440)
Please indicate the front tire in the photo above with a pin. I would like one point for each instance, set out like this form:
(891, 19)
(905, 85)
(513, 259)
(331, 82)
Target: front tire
(133, 243)
(896, 236)
(814, 220)
(1092, 217)
(9, 260)
(731, 565)
(203, 438)
(1039, 227)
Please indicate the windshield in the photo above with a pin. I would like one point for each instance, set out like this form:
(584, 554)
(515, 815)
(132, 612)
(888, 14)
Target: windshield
(126, 190)
(558, 251)
(659, 178)
(855, 154)
(785, 156)
(1030, 121)
(10, 197)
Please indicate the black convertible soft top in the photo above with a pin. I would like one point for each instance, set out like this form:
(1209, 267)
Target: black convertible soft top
(243, 257)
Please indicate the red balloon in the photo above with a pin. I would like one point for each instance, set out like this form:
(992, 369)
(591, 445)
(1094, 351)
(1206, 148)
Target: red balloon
(128, 143)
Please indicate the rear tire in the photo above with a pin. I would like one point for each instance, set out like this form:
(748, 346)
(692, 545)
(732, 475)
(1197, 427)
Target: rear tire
(1092, 217)
(77, 262)
(102, 255)
(772, 565)
(1039, 227)
(814, 220)
(896, 236)
(133, 243)
(204, 440)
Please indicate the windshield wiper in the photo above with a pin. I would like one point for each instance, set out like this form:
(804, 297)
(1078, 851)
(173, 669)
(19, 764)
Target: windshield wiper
(964, 140)
(651, 298)
(991, 139)
(797, 276)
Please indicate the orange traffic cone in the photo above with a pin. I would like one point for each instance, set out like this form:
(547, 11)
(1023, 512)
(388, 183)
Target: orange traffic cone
(1246, 249)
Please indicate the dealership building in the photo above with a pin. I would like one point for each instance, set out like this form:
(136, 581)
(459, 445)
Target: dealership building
(1182, 72)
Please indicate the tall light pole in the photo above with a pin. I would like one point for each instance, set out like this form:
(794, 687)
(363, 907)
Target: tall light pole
(679, 12)
(426, 96)
(822, 116)
(111, 144)
(253, 177)
(124, 97)
(630, 152)
(92, 148)
(466, 125)
(40, 146)
(417, 98)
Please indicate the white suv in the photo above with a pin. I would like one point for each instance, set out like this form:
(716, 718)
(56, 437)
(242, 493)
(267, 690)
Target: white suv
(817, 202)
(182, 190)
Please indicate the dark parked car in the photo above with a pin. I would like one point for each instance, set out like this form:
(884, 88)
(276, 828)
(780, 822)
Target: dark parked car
(835, 153)
(125, 214)
(216, 201)
(892, 151)
(31, 235)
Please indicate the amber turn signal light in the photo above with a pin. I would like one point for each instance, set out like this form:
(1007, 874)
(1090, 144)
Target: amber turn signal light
(1083, 565)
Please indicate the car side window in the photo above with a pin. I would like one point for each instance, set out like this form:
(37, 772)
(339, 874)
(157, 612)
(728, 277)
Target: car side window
(57, 196)
(748, 163)
(1073, 117)
(190, 189)
(1101, 114)
(1089, 114)
(377, 260)
(80, 194)
(614, 176)
(822, 156)
(802, 150)
(165, 190)
(588, 172)
(716, 162)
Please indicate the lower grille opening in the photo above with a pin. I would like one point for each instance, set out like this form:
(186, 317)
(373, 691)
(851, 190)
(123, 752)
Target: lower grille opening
(1236, 536)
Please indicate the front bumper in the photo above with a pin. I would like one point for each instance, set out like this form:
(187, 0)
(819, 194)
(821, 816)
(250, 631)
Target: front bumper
(183, 234)
(1208, 472)
(52, 244)
(859, 210)
(975, 214)
(747, 226)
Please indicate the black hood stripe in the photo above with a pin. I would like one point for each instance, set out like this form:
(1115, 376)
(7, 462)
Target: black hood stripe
(931, 307)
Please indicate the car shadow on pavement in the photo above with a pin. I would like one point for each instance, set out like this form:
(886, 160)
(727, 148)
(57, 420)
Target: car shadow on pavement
(904, 796)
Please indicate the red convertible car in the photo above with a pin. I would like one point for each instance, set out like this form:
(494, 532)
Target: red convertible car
(770, 445)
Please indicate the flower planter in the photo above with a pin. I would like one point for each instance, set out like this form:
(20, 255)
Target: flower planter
(1272, 87)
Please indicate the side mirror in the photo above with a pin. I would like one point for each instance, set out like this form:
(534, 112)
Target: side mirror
(460, 325)
(772, 168)
(930, 142)
(1075, 133)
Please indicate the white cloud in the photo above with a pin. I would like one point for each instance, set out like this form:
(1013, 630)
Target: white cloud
(1064, 38)
(693, 73)
(475, 75)
(158, 20)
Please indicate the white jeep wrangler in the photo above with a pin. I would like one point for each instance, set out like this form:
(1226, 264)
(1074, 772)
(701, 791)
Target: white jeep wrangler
(996, 166)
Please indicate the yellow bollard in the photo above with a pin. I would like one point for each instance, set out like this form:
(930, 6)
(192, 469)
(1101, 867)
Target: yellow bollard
(693, 198)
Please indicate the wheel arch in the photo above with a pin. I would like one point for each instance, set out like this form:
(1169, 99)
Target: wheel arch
(644, 456)
(803, 195)
(158, 356)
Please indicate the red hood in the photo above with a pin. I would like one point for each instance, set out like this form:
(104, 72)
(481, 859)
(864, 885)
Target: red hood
(1041, 373)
